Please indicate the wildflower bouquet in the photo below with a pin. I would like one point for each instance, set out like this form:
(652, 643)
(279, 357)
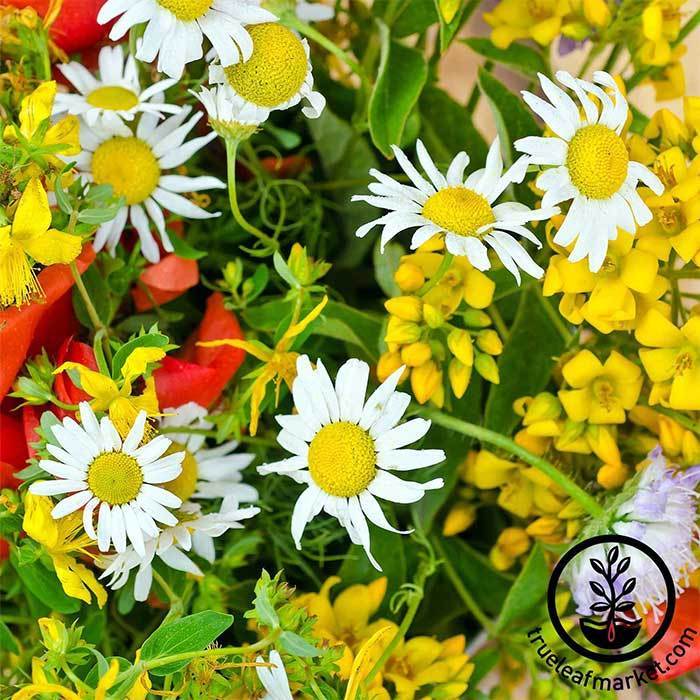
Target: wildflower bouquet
(315, 364)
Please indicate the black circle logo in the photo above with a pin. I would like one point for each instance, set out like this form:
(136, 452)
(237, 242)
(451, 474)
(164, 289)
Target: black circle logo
(613, 623)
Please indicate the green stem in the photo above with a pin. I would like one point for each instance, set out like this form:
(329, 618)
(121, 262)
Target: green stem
(90, 308)
(231, 149)
(680, 418)
(439, 274)
(491, 437)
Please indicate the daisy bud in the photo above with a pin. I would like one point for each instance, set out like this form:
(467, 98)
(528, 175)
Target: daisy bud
(388, 363)
(612, 476)
(486, 366)
(402, 332)
(433, 317)
(459, 375)
(460, 345)
(425, 381)
(415, 354)
(489, 342)
(409, 277)
(406, 308)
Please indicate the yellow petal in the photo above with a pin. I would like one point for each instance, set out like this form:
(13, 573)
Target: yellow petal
(252, 347)
(577, 403)
(659, 364)
(478, 289)
(367, 656)
(36, 689)
(639, 269)
(36, 107)
(77, 580)
(33, 215)
(101, 388)
(53, 247)
(685, 390)
(257, 396)
(582, 369)
(67, 133)
(300, 327)
(656, 331)
(107, 680)
(38, 523)
(138, 361)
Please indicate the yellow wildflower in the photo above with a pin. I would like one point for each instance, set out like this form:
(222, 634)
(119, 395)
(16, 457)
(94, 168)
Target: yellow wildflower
(115, 396)
(677, 442)
(669, 84)
(30, 236)
(279, 363)
(62, 539)
(661, 22)
(367, 656)
(600, 393)
(671, 360)
(459, 518)
(512, 543)
(540, 20)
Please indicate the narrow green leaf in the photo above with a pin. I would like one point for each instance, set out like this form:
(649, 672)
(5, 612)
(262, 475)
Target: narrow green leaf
(45, 585)
(192, 633)
(8, 644)
(448, 30)
(183, 249)
(294, 644)
(520, 57)
(401, 77)
(385, 265)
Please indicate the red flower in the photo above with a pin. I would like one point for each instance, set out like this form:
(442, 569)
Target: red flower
(677, 645)
(25, 330)
(72, 351)
(165, 281)
(76, 26)
(13, 450)
(200, 374)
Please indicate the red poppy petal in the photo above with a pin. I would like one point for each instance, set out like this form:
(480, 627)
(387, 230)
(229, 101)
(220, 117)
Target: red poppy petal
(73, 351)
(13, 446)
(178, 382)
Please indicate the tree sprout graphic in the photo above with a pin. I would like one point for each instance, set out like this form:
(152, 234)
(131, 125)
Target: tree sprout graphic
(620, 625)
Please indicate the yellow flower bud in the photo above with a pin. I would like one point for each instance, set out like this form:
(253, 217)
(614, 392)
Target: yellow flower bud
(596, 12)
(533, 443)
(489, 342)
(388, 363)
(460, 345)
(415, 354)
(459, 518)
(544, 527)
(500, 560)
(602, 441)
(401, 332)
(459, 375)
(486, 366)
(612, 476)
(544, 407)
(425, 381)
(433, 316)
(476, 319)
(513, 541)
(407, 308)
(409, 277)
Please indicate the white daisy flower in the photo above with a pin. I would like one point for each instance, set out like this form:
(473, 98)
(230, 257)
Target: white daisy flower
(134, 165)
(590, 164)
(115, 96)
(274, 678)
(194, 532)
(229, 114)
(346, 449)
(461, 209)
(207, 473)
(100, 470)
(277, 76)
(175, 28)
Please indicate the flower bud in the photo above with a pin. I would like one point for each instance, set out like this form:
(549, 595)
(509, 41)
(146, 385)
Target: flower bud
(415, 354)
(388, 363)
(409, 277)
(486, 366)
(459, 375)
(513, 541)
(401, 332)
(433, 317)
(612, 476)
(425, 381)
(489, 342)
(460, 345)
(500, 560)
(406, 308)
(460, 518)
(476, 319)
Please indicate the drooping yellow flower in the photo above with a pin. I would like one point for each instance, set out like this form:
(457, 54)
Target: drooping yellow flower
(115, 396)
(540, 20)
(29, 237)
(279, 363)
(671, 360)
(600, 393)
(63, 539)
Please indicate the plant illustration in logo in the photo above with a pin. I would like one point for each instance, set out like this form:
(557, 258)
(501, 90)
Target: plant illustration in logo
(619, 624)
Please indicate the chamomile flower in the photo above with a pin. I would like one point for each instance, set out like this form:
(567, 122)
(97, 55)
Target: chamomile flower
(229, 114)
(461, 209)
(134, 165)
(207, 473)
(346, 449)
(274, 678)
(194, 532)
(175, 28)
(113, 477)
(277, 75)
(114, 97)
(590, 164)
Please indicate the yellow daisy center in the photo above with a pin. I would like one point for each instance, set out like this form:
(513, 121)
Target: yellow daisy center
(342, 459)
(597, 161)
(185, 484)
(115, 478)
(114, 98)
(276, 70)
(459, 210)
(187, 10)
(128, 164)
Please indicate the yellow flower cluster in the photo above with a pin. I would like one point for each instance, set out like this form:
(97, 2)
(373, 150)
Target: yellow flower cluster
(422, 331)
(415, 666)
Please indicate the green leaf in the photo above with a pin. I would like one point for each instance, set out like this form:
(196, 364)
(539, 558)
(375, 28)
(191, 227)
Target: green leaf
(528, 591)
(294, 644)
(266, 613)
(385, 265)
(147, 340)
(8, 644)
(44, 584)
(448, 30)
(400, 79)
(512, 117)
(183, 249)
(358, 328)
(192, 633)
(97, 216)
(520, 57)
(447, 129)
(284, 272)
(527, 360)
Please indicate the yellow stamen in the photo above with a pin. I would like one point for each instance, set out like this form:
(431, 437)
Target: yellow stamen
(18, 284)
(342, 459)
(115, 478)
(276, 70)
(604, 392)
(684, 362)
(187, 10)
(128, 164)
(112, 97)
(459, 210)
(540, 9)
(185, 484)
(597, 161)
